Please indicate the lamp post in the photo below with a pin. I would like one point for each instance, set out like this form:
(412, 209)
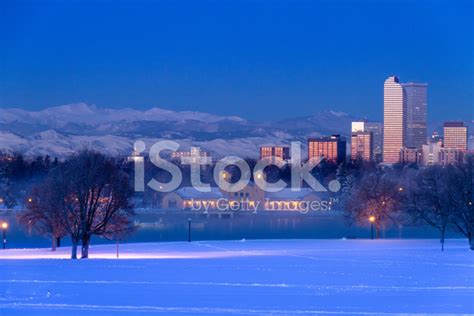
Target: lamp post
(372, 220)
(4, 226)
(189, 229)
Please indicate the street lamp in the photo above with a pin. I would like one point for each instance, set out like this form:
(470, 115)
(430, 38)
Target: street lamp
(189, 229)
(4, 226)
(372, 220)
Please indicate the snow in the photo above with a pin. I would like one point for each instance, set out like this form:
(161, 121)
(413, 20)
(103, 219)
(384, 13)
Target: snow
(279, 277)
(192, 193)
(59, 131)
(85, 113)
(338, 113)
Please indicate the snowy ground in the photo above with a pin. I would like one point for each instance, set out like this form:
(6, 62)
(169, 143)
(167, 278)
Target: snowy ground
(279, 277)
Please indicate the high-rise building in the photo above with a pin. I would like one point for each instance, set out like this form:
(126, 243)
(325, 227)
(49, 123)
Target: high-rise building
(416, 103)
(394, 120)
(361, 145)
(455, 135)
(282, 152)
(332, 148)
(377, 135)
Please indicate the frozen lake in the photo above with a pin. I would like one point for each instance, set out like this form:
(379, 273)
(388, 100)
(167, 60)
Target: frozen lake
(173, 226)
(258, 277)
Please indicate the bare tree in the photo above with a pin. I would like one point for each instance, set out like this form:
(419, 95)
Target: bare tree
(44, 214)
(6, 190)
(424, 200)
(460, 194)
(375, 194)
(100, 194)
(54, 208)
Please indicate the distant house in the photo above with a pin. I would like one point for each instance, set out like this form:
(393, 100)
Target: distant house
(250, 192)
(251, 196)
(184, 197)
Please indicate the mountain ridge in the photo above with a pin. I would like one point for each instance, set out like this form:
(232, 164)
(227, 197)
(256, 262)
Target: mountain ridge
(61, 130)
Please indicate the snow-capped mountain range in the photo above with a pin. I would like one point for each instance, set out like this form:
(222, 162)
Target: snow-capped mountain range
(60, 131)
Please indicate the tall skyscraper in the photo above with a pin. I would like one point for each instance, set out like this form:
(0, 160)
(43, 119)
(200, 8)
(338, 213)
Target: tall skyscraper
(332, 148)
(394, 120)
(455, 135)
(416, 114)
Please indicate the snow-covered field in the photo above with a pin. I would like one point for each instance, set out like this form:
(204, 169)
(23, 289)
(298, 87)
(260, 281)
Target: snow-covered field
(277, 277)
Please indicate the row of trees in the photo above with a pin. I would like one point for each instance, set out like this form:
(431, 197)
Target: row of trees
(441, 197)
(88, 194)
(18, 175)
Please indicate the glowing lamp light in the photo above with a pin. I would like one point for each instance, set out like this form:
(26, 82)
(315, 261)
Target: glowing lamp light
(30, 200)
(372, 219)
(4, 225)
(400, 189)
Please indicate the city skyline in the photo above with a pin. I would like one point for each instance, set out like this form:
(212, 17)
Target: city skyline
(240, 157)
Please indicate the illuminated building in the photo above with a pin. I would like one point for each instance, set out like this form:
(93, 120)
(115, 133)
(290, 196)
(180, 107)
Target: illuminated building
(455, 135)
(394, 120)
(376, 128)
(362, 145)
(282, 152)
(194, 151)
(331, 148)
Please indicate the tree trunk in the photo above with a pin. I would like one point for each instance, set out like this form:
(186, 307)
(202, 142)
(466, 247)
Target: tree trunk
(471, 242)
(85, 246)
(74, 249)
(58, 242)
(53, 246)
(377, 231)
(441, 238)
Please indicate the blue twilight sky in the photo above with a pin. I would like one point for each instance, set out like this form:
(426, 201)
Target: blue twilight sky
(257, 59)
